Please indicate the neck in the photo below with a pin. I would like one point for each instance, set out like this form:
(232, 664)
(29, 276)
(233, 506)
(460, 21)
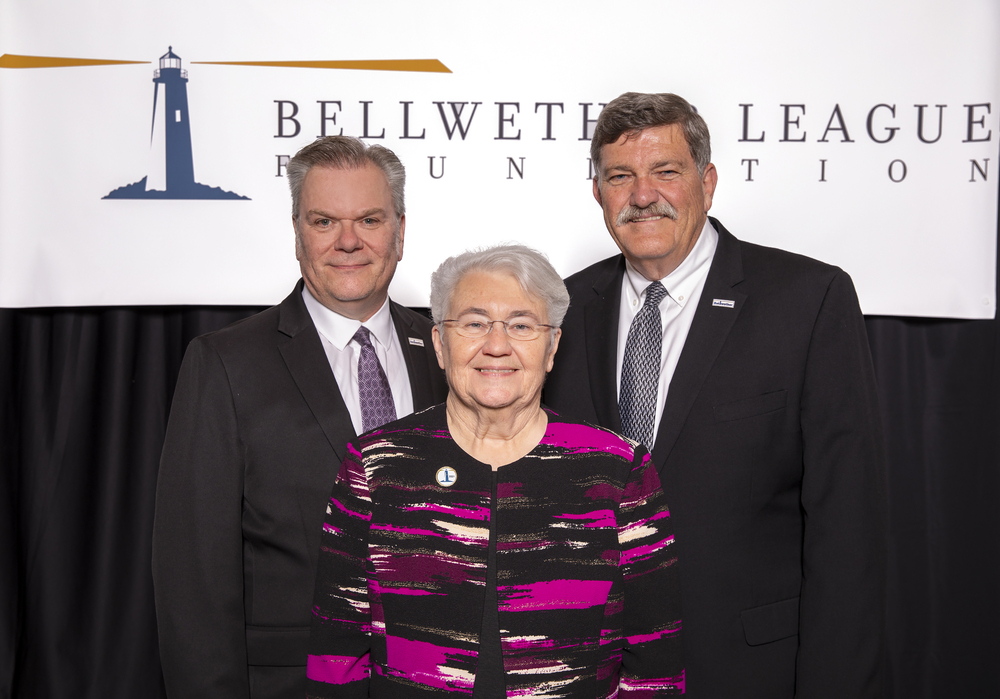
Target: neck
(496, 436)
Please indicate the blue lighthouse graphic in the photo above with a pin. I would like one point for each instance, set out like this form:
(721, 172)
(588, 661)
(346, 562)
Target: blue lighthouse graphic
(174, 128)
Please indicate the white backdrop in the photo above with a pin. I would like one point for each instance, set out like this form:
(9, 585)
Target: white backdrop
(914, 222)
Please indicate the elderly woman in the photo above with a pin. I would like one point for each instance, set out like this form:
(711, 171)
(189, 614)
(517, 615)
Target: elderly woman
(486, 546)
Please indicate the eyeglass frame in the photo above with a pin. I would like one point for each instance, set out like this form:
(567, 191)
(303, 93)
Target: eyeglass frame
(505, 331)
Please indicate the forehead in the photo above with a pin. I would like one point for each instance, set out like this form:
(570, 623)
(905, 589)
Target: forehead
(657, 143)
(361, 188)
(497, 293)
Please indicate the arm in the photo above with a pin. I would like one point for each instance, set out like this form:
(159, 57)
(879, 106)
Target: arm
(842, 604)
(340, 637)
(652, 661)
(197, 536)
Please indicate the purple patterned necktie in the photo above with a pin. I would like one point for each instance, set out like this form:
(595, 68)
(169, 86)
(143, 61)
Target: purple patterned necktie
(375, 395)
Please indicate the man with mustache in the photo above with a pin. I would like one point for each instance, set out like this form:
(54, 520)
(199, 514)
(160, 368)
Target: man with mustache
(259, 426)
(746, 372)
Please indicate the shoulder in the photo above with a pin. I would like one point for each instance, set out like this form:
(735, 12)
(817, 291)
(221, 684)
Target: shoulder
(431, 422)
(760, 259)
(234, 334)
(410, 317)
(779, 280)
(780, 267)
(608, 465)
(794, 284)
(244, 339)
(414, 331)
(581, 437)
(587, 277)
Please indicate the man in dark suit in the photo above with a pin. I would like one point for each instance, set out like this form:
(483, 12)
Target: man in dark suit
(747, 372)
(260, 419)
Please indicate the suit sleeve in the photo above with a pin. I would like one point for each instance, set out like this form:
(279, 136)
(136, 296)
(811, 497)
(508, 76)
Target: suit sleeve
(339, 663)
(842, 603)
(652, 660)
(197, 536)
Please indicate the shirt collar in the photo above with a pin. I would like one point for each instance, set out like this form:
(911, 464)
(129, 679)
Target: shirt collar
(683, 281)
(339, 330)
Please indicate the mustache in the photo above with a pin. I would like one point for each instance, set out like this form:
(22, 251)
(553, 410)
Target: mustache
(658, 208)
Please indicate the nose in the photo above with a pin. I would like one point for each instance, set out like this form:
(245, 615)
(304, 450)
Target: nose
(497, 343)
(348, 239)
(643, 192)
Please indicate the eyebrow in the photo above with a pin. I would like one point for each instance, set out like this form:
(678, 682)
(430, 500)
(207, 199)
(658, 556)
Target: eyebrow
(484, 312)
(662, 163)
(364, 214)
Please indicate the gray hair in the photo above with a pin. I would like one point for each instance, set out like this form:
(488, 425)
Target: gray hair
(633, 112)
(346, 153)
(530, 268)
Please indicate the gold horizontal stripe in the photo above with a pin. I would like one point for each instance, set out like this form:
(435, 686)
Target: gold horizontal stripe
(430, 65)
(11, 60)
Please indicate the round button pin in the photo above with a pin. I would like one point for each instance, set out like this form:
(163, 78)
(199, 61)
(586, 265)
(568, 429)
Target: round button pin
(446, 476)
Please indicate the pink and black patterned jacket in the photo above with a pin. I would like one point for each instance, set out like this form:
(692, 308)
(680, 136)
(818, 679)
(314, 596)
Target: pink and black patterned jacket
(587, 579)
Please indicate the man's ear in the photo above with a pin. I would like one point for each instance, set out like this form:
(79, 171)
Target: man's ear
(708, 182)
(402, 231)
(299, 252)
(597, 192)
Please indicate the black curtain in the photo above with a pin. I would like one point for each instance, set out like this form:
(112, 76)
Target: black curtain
(84, 395)
(939, 387)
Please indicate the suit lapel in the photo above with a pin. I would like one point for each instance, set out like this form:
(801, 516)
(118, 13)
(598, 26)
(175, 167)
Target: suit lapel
(415, 343)
(601, 335)
(302, 350)
(709, 330)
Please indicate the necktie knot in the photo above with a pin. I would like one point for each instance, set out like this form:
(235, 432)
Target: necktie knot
(654, 294)
(363, 337)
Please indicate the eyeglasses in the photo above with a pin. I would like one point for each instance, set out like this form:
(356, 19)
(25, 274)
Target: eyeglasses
(518, 329)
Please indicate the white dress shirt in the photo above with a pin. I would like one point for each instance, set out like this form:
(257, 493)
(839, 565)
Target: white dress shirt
(684, 286)
(336, 332)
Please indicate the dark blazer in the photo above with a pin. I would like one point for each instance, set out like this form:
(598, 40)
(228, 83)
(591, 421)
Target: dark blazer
(257, 432)
(771, 456)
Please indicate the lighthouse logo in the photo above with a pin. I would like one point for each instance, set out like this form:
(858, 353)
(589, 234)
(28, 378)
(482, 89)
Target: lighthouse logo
(171, 173)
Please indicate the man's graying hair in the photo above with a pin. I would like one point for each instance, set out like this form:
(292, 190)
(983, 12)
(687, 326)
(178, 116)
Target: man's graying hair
(346, 153)
(633, 112)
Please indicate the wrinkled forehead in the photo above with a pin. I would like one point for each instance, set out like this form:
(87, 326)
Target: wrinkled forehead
(495, 294)
(322, 176)
(635, 136)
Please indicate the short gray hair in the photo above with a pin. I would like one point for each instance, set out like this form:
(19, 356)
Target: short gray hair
(530, 268)
(346, 153)
(633, 112)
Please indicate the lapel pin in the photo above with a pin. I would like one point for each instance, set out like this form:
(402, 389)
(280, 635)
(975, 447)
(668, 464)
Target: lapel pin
(446, 476)
(723, 303)
(416, 341)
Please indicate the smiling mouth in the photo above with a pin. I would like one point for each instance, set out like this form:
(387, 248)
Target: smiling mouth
(489, 370)
(646, 218)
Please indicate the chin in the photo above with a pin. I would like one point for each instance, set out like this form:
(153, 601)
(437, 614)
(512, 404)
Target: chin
(494, 402)
(346, 294)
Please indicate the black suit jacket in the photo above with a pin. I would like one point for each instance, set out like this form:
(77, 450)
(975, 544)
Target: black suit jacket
(771, 456)
(257, 432)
